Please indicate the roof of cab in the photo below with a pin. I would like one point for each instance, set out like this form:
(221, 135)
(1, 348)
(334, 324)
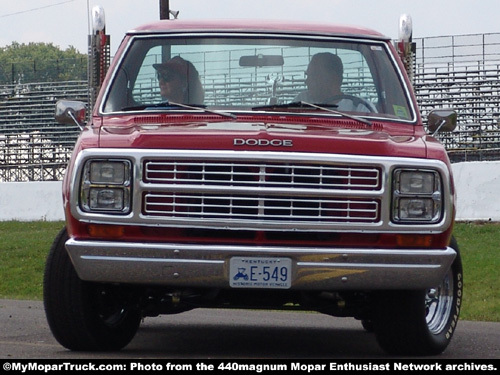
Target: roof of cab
(256, 26)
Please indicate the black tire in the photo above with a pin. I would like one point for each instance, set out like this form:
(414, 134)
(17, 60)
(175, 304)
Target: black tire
(420, 322)
(83, 315)
(367, 325)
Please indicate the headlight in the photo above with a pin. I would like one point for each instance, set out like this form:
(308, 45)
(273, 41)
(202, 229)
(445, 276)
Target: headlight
(111, 172)
(106, 186)
(417, 196)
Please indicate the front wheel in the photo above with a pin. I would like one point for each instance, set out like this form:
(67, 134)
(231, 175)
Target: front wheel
(84, 315)
(420, 322)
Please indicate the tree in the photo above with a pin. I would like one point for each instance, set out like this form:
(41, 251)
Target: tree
(41, 62)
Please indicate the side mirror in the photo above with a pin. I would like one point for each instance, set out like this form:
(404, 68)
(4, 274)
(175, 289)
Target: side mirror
(442, 120)
(71, 112)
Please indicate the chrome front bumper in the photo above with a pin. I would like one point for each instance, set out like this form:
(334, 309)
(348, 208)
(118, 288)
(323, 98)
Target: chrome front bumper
(207, 266)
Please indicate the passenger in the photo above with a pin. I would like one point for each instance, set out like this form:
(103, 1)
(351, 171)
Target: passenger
(179, 81)
(324, 76)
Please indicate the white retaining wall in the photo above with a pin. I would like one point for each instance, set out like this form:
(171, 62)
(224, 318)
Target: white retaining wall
(478, 189)
(31, 201)
(477, 184)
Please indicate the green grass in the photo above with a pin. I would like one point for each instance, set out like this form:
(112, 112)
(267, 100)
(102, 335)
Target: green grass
(24, 248)
(479, 246)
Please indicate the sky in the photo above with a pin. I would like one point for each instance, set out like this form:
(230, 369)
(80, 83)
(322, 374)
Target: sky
(65, 23)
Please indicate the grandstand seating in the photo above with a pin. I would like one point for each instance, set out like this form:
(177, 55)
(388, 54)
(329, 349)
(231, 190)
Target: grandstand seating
(33, 147)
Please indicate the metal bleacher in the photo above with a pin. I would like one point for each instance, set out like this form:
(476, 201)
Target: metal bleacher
(458, 72)
(33, 146)
(463, 73)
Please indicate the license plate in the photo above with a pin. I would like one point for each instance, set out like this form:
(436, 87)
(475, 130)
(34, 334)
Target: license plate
(268, 273)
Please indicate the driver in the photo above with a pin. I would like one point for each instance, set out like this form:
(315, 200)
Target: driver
(179, 81)
(324, 77)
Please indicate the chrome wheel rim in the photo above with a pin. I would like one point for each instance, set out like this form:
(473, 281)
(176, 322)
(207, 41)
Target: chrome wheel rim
(438, 304)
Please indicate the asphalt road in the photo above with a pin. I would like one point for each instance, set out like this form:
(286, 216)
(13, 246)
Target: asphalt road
(204, 333)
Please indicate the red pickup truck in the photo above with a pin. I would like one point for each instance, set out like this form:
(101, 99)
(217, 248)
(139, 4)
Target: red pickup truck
(256, 165)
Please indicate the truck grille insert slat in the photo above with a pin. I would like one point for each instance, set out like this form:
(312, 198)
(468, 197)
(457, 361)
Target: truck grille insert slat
(263, 175)
(269, 208)
(250, 191)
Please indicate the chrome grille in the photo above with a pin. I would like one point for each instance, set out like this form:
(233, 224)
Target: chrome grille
(263, 191)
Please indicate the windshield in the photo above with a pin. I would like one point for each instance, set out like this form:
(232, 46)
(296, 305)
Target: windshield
(261, 74)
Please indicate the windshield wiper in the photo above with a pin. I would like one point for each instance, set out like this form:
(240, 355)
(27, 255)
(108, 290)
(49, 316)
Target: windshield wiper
(168, 104)
(291, 105)
(322, 107)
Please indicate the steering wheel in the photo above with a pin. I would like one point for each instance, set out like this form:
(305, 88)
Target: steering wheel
(356, 101)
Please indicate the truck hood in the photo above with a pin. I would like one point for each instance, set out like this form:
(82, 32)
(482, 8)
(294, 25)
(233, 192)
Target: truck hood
(340, 137)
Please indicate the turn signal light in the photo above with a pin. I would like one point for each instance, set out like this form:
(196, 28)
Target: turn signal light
(414, 240)
(106, 231)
